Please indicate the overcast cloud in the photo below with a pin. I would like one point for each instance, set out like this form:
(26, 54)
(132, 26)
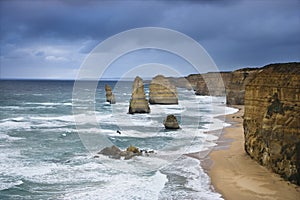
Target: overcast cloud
(50, 39)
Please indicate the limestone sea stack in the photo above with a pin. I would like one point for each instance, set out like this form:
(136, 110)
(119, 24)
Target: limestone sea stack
(138, 101)
(162, 91)
(272, 119)
(110, 97)
(171, 122)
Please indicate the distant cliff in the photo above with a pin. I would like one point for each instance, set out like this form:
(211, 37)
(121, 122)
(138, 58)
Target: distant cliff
(231, 84)
(212, 83)
(235, 88)
(272, 119)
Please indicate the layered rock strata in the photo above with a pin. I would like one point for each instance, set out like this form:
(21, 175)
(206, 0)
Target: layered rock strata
(212, 83)
(110, 97)
(138, 101)
(171, 122)
(272, 119)
(162, 91)
(235, 88)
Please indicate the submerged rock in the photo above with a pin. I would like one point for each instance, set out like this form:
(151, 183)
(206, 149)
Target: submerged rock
(162, 91)
(110, 97)
(138, 101)
(171, 122)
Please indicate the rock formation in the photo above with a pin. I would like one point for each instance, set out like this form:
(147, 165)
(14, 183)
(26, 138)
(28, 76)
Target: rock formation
(180, 82)
(112, 152)
(110, 97)
(171, 122)
(235, 88)
(272, 119)
(212, 83)
(115, 153)
(138, 101)
(162, 91)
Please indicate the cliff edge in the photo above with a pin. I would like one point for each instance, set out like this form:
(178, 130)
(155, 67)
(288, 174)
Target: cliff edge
(272, 119)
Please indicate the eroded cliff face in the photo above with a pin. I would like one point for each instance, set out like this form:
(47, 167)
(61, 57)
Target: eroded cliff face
(162, 91)
(272, 119)
(212, 83)
(235, 88)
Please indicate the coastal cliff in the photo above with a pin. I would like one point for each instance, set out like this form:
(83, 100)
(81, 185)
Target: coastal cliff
(212, 83)
(235, 88)
(138, 101)
(272, 119)
(162, 91)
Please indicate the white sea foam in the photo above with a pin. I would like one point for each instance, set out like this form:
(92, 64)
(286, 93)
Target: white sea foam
(123, 186)
(49, 103)
(8, 125)
(9, 138)
(5, 184)
(196, 184)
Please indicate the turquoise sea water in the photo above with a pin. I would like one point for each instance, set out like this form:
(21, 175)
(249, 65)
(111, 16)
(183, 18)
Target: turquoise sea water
(42, 155)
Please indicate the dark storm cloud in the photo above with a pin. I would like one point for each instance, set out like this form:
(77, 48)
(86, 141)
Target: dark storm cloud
(235, 33)
(66, 20)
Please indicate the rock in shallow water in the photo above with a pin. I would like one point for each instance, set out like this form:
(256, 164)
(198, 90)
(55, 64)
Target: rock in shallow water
(116, 153)
(110, 97)
(171, 122)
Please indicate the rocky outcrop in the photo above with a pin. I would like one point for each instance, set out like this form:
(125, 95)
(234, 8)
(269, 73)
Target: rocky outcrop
(115, 153)
(171, 122)
(110, 97)
(212, 83)
(162, 91)
(180, 82)
(112, 152)
(272, 119)
(235, 88)
(138, 101)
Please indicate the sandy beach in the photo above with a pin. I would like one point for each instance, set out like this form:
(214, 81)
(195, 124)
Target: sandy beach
(236, 176)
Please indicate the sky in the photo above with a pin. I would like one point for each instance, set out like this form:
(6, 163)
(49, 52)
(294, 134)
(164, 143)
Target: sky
(51, 39)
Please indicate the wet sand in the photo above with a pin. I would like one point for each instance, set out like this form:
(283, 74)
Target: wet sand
(236, 176)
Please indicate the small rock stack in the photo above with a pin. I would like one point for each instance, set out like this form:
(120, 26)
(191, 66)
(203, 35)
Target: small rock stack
(110, 97)
(162, 91)
(171, 122)
(138, 101)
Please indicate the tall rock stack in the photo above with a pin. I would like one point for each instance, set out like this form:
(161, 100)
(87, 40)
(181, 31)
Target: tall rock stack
(272, 119)
(235, 90)
(110, 97)
(162, 91)
(138, 101)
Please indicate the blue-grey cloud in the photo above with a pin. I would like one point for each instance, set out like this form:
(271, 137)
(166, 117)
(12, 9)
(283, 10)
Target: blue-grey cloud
(55, 34)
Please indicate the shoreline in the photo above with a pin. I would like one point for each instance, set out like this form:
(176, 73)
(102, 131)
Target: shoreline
(235, 175)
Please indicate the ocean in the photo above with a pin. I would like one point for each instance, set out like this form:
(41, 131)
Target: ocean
(45, 153)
